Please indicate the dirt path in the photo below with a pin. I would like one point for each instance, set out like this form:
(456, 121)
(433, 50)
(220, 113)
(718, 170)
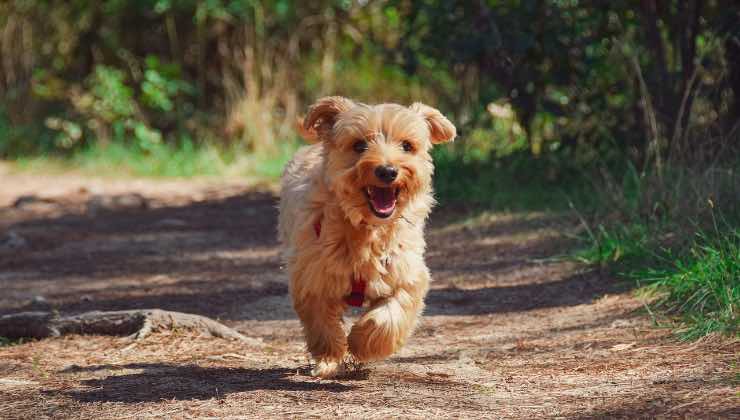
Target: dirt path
(508, 332)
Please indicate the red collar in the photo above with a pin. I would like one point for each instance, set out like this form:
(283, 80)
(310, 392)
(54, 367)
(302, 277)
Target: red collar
(357, 296)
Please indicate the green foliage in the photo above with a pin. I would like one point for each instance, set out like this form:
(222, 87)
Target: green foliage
(14, 138)
(502, 186)
(238, 71)
(511, 182)
(618, 246)
(4, 342)
(698, 282)
(702, 286)
(110, 99)
(571, 71)
(106, 107)
(162, 85)
(677, 238)
(568, 73)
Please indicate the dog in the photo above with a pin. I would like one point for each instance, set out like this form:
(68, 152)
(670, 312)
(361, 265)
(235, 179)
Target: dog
(352, 212)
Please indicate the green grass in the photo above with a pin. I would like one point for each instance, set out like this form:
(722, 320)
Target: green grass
(617, 245)
(674, 236)
(701, 287)
(184, 160)
(696, 283)
(513, 183)
(6, 342)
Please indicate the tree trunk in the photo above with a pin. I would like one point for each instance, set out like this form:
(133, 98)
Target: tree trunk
(688, 30)
(732, 55)
(659, 74)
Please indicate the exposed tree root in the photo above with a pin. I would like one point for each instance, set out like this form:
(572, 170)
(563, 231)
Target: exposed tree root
(134, 323)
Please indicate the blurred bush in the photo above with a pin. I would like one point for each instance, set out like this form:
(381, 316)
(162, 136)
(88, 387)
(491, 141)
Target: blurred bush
(576, 83)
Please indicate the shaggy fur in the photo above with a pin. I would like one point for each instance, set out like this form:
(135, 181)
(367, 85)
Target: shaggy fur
(335, 183)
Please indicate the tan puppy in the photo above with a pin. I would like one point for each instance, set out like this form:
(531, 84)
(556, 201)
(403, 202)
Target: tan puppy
(352, 217)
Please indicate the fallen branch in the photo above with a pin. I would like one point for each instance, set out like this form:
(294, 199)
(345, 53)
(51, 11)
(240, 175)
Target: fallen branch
(134, 323)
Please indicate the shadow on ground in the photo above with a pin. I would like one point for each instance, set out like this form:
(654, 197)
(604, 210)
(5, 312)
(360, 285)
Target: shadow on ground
(662, 407)
(216, 256)
(572, 290)
(161, 381)
(113, 238)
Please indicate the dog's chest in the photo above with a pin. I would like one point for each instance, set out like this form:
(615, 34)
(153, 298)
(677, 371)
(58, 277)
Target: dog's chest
(375, 261)
(390, 270)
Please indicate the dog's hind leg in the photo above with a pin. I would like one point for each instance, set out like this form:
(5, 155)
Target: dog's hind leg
(325, 337)
(383, 329)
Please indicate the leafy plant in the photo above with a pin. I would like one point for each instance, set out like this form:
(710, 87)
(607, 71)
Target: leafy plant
(163, 85)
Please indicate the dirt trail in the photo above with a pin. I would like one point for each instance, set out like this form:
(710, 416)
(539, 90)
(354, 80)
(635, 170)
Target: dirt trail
(508, 331)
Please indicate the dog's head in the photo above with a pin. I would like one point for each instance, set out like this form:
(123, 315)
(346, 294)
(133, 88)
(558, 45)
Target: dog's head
(377, 156)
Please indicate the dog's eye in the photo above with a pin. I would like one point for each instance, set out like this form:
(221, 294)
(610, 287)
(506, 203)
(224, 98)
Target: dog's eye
(407, 146)
(360, 146)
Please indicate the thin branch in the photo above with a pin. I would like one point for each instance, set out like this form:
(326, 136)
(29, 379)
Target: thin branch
(136, 324)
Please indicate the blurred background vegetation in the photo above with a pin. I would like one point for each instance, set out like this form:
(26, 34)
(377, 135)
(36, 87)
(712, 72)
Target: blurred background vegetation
(626, 112)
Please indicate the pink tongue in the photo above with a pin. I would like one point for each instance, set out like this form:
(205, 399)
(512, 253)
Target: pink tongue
(383, 199)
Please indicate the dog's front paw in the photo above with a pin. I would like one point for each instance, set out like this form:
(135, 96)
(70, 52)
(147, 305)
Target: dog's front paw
(326, 368)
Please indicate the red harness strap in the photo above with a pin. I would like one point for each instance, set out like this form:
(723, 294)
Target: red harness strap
(357, 296)
(317, 228)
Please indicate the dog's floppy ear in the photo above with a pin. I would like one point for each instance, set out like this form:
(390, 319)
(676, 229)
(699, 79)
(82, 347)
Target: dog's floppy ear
(322, 115)
(441, 130)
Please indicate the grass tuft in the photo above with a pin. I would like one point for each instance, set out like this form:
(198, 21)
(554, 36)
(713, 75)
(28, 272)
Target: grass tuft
(654, 231)
(6, 342)
(697, 282)
(615, 245)
(702, 287)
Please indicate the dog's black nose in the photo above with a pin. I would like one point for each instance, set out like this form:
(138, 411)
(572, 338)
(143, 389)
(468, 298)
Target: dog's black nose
(386, 173)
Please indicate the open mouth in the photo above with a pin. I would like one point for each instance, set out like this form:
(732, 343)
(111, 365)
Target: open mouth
(382, 200)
